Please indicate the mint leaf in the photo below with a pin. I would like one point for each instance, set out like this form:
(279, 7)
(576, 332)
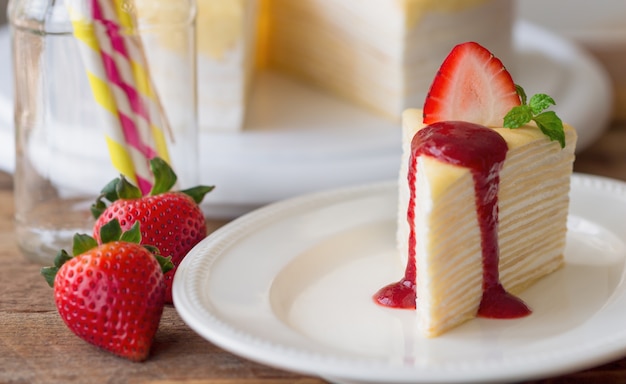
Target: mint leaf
(548, 122)
(540, 102)
(518, 116)
(551, 126)
(522, 94)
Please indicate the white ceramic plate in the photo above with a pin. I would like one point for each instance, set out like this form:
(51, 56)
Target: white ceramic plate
(290, 286)
(299, 140)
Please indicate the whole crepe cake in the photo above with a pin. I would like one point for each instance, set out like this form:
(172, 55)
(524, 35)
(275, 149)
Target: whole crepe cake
(377, 54)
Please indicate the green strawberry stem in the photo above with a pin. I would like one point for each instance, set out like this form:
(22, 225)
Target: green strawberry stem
(164, 181)
(83, 243)
(49, 273)
(133, 235)
(111, 231)
(126, 190)
(164, 176)
(197, 193)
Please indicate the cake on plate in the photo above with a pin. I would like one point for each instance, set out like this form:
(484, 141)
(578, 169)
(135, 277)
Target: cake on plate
(482, 208)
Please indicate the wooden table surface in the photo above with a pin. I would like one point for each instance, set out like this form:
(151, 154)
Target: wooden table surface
(36, 347)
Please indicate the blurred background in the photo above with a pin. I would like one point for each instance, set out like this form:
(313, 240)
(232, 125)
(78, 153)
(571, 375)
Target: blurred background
(575, 48)
(3, 7)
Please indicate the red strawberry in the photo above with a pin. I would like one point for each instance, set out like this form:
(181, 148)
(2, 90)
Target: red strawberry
(171, 221)
(111, 295)
(471, 85)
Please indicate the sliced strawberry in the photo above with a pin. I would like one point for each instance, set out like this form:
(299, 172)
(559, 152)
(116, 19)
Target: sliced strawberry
(471, 85)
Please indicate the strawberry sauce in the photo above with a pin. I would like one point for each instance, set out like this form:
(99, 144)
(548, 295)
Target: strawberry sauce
(482, 151)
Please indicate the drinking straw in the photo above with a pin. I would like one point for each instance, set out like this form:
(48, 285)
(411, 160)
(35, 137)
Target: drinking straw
(120, 82)
(84, 31)
(141, 71)
(131, 57)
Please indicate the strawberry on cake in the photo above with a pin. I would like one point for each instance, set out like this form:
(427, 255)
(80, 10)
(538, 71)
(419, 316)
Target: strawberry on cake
(483, 195)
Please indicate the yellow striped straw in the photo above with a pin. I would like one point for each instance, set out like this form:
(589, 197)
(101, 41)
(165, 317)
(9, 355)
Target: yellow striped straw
(126, 14)
(120, 80)
(84, 31)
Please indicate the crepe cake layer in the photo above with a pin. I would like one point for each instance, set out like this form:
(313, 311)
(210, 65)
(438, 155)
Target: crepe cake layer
(379, 54)
(533, 206)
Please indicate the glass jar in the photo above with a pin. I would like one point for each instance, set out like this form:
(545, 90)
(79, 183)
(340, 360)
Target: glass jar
(92, 102)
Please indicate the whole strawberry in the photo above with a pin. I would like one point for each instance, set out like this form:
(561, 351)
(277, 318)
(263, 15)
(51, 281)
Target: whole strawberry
(111, 295)
(171, 221)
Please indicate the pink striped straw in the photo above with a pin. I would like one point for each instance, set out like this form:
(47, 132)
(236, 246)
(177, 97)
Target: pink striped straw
(132, 110)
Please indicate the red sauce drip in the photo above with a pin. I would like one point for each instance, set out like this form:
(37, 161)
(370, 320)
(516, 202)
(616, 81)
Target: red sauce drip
(483, 151)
